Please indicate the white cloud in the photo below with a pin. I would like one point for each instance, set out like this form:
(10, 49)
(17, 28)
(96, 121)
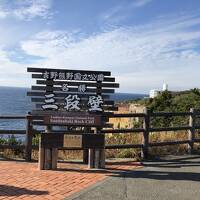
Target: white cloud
(140, 3)
(6, 65)
(129, 44)
(26, 9)
(34, 8)
(122, 11)
(135, 51)
(141, 57)
(111, 12)
(143, 81)
(3, 14)
(11, 73)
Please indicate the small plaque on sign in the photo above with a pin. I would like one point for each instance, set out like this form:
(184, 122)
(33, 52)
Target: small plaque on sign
(72, 141)
(73, 120)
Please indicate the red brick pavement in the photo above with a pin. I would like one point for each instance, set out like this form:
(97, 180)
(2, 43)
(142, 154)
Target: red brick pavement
(21, 181)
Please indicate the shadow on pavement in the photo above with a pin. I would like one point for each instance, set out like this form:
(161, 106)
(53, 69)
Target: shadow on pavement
(193, 161)
(6, 190)
(165, 169)
(111, 168)
(164, 175)
(96, 171)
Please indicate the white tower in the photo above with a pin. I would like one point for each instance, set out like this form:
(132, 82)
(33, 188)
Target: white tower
(165, 87)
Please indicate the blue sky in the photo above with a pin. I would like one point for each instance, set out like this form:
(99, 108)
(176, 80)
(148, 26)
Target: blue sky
(144, 43)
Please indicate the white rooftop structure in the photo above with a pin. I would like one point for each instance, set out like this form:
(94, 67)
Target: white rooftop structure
(155, 92)
(165, 87)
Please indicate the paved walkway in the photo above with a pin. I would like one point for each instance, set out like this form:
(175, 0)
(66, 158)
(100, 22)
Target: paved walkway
(20, 180)
(165, 179)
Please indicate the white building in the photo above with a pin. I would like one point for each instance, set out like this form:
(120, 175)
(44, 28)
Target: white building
(155, 92)
(165, 87)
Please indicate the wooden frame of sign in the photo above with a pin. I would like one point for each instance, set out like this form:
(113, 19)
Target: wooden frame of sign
(77, 99)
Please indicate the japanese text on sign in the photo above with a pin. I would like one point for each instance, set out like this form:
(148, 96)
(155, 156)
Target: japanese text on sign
(72, 103)
(82, 88)
(73, 76)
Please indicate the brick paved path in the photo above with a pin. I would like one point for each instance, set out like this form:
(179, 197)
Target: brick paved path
(20, 180)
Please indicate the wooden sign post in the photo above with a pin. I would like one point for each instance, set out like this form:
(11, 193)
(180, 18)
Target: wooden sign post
(74, 99)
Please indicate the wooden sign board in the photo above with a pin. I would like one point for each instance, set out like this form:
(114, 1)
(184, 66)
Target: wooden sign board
(77, 98)
(93, 141)
(72, 90)
(83, 141)
(75, 119)
(51, 140)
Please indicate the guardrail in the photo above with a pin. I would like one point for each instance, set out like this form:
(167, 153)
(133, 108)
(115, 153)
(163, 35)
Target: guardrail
(145, 130)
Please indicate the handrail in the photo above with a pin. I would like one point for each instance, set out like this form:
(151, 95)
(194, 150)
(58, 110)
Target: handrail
(13, 117)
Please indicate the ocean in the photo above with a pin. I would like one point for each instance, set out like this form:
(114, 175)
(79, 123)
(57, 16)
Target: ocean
(14, 101)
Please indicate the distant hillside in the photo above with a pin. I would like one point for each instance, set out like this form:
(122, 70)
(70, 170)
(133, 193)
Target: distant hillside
(173, 102)
(179, 101)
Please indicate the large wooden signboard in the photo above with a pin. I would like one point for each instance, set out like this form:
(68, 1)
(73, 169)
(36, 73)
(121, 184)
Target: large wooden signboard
(72, 91)
(72, 98)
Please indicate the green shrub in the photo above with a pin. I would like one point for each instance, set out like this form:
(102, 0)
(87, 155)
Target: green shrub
(35, 140)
